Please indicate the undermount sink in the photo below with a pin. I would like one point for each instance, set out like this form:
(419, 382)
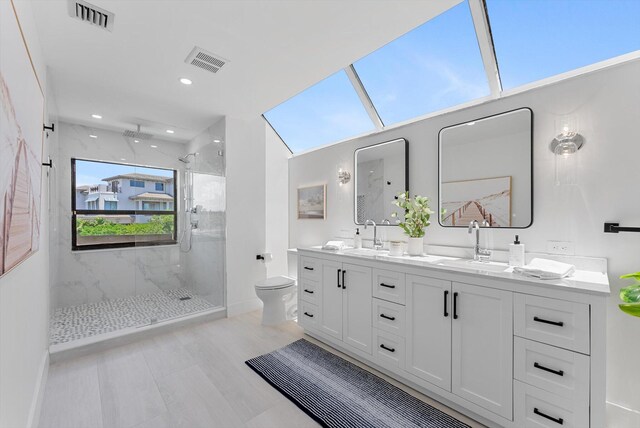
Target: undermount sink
(475, 265)
(364, 252)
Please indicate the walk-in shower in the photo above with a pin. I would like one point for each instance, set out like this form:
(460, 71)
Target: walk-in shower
(149, 235)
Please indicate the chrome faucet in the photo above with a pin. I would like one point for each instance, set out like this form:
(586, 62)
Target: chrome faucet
(377, 244)
(479, 254)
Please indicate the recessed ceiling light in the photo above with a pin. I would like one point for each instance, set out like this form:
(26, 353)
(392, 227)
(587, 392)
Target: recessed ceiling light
(185, 81)
(122, 159)
(170, 131)
(96, 116)
(153, 147)
(93, 136)
(216, 141)
(136, 141)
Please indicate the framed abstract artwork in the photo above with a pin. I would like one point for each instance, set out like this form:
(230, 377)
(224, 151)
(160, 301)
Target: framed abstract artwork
(312, 203)
(21, 144)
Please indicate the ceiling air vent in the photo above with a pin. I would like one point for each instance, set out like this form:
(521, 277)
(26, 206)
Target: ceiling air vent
(206, 60)
(91, 14)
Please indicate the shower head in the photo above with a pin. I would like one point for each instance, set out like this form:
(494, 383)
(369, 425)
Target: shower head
(185, 159)
(137, 134)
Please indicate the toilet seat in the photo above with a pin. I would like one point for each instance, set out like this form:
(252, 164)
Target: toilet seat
(275, 283)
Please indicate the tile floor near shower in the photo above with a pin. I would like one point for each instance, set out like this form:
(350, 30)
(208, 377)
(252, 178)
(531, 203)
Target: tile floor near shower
(92, 319)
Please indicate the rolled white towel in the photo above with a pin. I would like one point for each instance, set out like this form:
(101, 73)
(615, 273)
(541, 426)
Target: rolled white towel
(333, 245)
(546, 269)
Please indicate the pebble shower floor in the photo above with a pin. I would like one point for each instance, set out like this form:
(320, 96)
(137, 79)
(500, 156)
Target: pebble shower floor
(82, 321)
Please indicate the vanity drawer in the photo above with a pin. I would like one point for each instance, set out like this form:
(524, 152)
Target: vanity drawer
(308, 315)
(389, 285)
(389, 317)
(556, 370)
(309, 289)
(556, 322)
(388, 350)
(310, 268)
(536, 408)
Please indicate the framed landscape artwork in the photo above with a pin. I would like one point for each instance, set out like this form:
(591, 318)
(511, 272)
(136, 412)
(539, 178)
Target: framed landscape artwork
(21, 143)
(312, 202)
(482, 199)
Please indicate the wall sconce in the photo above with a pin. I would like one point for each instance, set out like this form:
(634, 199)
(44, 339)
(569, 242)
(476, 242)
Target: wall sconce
(343, 176)
(565, 147)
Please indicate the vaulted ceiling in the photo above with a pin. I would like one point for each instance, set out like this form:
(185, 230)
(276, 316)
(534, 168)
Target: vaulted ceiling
(275, 49)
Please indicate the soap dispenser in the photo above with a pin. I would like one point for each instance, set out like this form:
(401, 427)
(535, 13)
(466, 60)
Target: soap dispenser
(357, 239)
(516, 253)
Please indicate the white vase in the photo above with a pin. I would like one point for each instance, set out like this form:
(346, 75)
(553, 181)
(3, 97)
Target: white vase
(415, 247)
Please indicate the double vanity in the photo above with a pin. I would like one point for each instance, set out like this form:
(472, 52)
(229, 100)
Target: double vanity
(505, 349)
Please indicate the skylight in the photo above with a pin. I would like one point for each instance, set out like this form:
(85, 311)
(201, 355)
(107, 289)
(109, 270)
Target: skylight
(435, 66)
(440, 65)
(538, 39)
(327, 112)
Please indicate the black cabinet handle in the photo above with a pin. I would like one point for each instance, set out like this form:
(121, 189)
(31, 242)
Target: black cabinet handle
(338, 281)
(382, 284)
(455, 305)
(308, 314)
(551, 418)
(387, 317)
(547, 369)
(343, 281)
(544, 321)
(308, 268)
(446, 296)
(308, 291)
(388, 349)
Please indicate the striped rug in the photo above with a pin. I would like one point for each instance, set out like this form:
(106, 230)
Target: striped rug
(339, 394)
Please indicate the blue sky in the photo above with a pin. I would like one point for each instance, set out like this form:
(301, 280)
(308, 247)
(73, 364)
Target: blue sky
(438, 64)
(89, 172)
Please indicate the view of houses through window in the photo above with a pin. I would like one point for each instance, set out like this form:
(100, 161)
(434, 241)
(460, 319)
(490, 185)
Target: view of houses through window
(118, 205)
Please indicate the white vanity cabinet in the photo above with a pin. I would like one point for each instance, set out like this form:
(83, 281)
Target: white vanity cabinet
(344, 295)
(429, 330)
(460, 339)
(482, 347)
(507, 351)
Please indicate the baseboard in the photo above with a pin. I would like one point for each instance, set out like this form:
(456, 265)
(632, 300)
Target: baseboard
(245, 306)
(621, 416)
(38, 393)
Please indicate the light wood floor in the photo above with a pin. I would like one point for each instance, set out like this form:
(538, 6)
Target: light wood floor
(191, 377)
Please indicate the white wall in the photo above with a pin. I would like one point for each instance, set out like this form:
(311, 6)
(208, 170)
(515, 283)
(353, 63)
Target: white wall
(607, 105)
(245, 211)
(24, 291)
(277, 202)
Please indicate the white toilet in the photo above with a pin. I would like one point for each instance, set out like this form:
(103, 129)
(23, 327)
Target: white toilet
(278, 295)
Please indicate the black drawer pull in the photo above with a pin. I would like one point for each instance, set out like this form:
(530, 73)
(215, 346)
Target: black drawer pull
(455, 305)
(308, 268)
(551, 418)
(382, 284)
(308, 291)
(544, 321)
(388, 349)
(547, 369)
(308, 314)
(446, 295)
(344, 286)
(387, 317)
(338, 281)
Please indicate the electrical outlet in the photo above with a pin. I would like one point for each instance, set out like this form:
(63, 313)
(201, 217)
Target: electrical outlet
(561, 247)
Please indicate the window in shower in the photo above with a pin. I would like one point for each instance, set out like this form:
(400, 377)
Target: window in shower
(117, 205)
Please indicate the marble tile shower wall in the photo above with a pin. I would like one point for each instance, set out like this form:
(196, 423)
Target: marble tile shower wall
(93, 276)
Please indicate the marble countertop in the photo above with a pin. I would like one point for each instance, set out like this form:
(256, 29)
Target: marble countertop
(583, 280)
